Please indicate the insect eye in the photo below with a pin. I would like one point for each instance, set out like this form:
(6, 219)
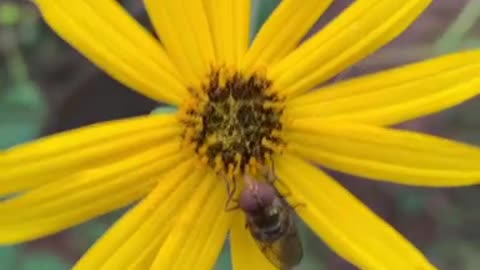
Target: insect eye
(248, 202)
(252, 200)
(266, 193)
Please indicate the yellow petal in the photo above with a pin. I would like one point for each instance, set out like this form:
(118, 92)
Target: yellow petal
(360, 30)
(385, 154)
(183, 28)
(281, 33)
(144, 213)
(344, 223)
(105, 33)
(246, 255)
(206, 238)
(209, 253)
(45, 160)
(230, 27)
(395, 95)
(143, 259)
(189, 220)
(85, 195)
(135, 239)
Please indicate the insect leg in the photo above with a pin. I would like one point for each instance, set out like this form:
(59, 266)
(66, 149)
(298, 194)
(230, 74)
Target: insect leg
(273, 180)
(231, 189)
(270, 175)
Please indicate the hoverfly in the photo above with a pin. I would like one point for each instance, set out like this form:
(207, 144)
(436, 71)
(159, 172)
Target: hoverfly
(271, 223)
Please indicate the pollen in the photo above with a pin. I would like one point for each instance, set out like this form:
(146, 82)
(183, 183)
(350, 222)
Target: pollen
(234, 122)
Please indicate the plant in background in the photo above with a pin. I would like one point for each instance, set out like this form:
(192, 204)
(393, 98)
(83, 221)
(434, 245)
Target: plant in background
(241, 107)
(22, 107)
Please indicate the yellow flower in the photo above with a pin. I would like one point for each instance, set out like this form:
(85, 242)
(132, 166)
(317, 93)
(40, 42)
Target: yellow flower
(241, 107)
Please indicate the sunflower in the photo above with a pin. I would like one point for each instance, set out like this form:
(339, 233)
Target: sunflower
(241, 107)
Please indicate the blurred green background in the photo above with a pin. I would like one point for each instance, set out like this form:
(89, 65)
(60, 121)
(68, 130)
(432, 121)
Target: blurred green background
(46, 87)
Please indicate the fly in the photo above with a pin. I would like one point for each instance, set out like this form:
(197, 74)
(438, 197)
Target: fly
(271, 223)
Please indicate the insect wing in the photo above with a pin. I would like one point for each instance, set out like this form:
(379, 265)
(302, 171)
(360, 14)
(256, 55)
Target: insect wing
(286, 252)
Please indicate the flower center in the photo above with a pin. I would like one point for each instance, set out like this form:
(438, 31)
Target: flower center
(234, 122)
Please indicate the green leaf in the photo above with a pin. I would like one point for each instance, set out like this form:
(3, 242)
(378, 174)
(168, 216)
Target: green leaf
(42, 261)
(261, 10)
(471, 43)
(164, 110)
(224, 260)
(314, 250)
(9, 14)
(23, 112)
(9, 257)
(411, 202)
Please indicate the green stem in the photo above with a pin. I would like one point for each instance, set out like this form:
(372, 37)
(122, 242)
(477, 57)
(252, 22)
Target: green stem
(453, 36)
